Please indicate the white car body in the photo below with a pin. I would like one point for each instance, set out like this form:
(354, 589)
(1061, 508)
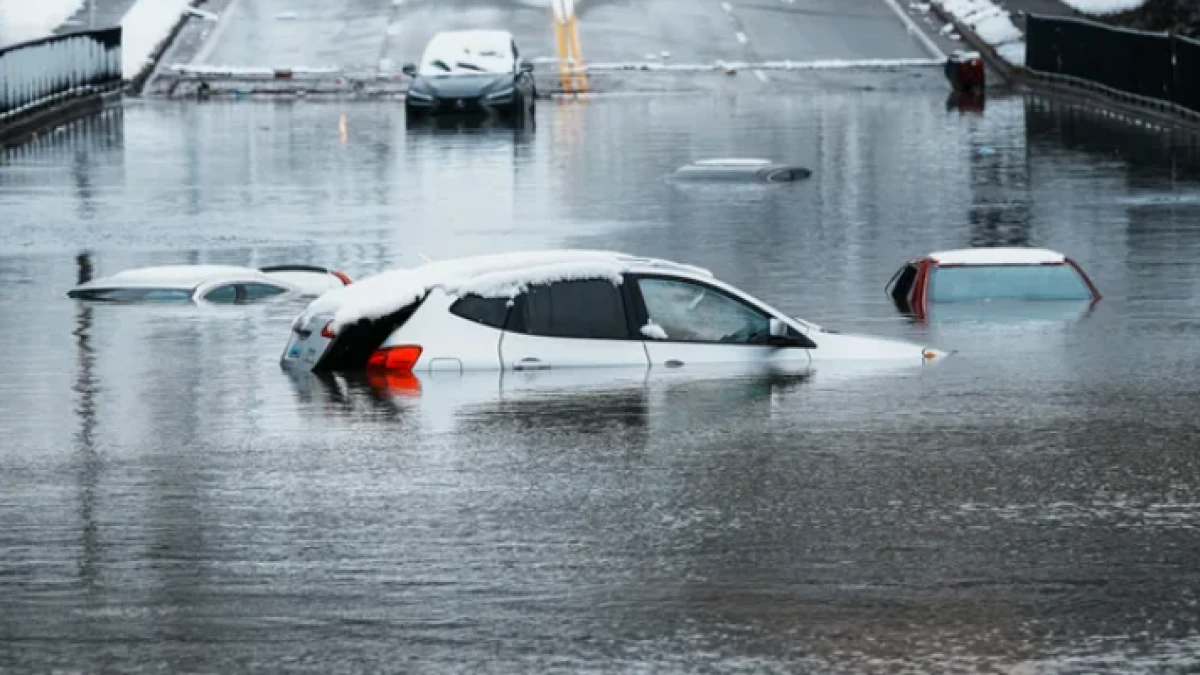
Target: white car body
(210, 284)
(408, 314)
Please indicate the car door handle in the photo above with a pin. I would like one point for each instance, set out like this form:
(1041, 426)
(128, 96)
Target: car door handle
(530, 363)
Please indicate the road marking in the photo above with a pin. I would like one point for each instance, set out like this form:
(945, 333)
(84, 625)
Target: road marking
(726, 6)
(762, 77)
(741, 37)
(210, 43)
(914, 29)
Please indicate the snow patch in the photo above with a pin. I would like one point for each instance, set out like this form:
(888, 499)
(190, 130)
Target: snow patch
(1013, 52)
(503, 275)
(992, 24)
(997, 256)
(1100, 7)
(654, 331)
(25, 20)
(144, 28)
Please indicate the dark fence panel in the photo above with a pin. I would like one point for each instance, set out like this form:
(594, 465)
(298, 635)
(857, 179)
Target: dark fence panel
(1153, 65)
(1187, 73)
(37, 72)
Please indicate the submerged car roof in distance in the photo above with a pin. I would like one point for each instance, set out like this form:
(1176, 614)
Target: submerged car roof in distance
(174, 276)
(997, 256)
(741, 169)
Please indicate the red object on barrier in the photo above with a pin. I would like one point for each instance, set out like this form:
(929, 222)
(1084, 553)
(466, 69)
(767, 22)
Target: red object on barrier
(965, 71)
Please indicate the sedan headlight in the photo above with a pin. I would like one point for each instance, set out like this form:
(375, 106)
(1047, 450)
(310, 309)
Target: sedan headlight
(503, 93)
(420, 95)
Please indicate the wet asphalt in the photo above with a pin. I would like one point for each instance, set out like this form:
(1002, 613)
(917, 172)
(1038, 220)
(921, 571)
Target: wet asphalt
(171, 501)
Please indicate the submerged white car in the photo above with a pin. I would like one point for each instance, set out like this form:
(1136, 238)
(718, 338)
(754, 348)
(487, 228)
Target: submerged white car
(560, 309)
(210, 284)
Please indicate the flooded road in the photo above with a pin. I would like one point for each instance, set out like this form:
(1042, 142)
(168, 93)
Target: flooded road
(173, 502)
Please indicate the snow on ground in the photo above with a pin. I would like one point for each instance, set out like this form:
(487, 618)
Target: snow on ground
(24, 20)
(1104, 6)
(145, 26)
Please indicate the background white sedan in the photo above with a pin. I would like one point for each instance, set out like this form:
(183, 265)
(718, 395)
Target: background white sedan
(210, 284)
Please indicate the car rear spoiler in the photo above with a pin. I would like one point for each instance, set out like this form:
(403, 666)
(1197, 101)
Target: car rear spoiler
(306, 268)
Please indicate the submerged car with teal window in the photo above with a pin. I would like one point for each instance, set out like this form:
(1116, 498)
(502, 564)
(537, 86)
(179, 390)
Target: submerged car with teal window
(996, 279)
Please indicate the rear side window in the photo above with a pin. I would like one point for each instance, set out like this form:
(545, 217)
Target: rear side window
(487, 311)
(225, 295)
(590, 309)
(260, 291)
(904, 282)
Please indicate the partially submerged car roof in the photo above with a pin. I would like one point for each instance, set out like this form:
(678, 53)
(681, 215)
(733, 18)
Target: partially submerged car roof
(742, 168)
(172, 276)
(496, 275)
(998, 256)
(187, 277)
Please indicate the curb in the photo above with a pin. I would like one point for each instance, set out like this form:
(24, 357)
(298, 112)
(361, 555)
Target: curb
(138, 82)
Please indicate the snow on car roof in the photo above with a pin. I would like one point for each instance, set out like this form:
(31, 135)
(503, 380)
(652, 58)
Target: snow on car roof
(997, 256)
(174, 276)
(732, 161)
(491, 276)
(488, 49)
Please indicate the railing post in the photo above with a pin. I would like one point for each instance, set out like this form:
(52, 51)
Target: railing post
(36, 73)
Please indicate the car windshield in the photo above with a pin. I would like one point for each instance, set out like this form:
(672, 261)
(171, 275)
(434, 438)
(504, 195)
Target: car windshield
(1007, 282)
(463, 58)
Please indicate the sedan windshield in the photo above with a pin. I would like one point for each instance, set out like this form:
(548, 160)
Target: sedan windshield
(1007, 282)
(465, 60)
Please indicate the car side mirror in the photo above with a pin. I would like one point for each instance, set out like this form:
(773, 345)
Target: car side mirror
(526, 67)
(778, 329)
(409, 69)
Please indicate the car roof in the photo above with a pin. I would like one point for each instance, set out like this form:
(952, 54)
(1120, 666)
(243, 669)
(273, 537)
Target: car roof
(495, 275)
(997, 256)
(177, 276)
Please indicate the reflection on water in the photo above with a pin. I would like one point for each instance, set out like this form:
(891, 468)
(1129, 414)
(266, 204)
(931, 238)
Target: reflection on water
(173, 497)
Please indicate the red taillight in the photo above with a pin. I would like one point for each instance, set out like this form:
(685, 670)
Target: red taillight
(399, 359)
(342, 276)
(328, 332)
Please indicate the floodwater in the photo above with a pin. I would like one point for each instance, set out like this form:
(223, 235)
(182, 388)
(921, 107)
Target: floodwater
(171, 501)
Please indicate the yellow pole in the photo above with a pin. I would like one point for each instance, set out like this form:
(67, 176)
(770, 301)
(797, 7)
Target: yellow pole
(564, 68)
(577, 56)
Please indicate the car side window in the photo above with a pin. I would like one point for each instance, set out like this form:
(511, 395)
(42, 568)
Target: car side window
(684, 311)
(589, 309)
(257, 291)
(904, 282)
(487, 311)
(222, 295)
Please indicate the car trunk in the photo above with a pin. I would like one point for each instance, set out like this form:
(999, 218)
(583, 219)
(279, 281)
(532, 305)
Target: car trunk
(354, 344)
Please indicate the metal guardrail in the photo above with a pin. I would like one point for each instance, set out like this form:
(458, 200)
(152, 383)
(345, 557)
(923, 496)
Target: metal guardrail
(37, 73)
